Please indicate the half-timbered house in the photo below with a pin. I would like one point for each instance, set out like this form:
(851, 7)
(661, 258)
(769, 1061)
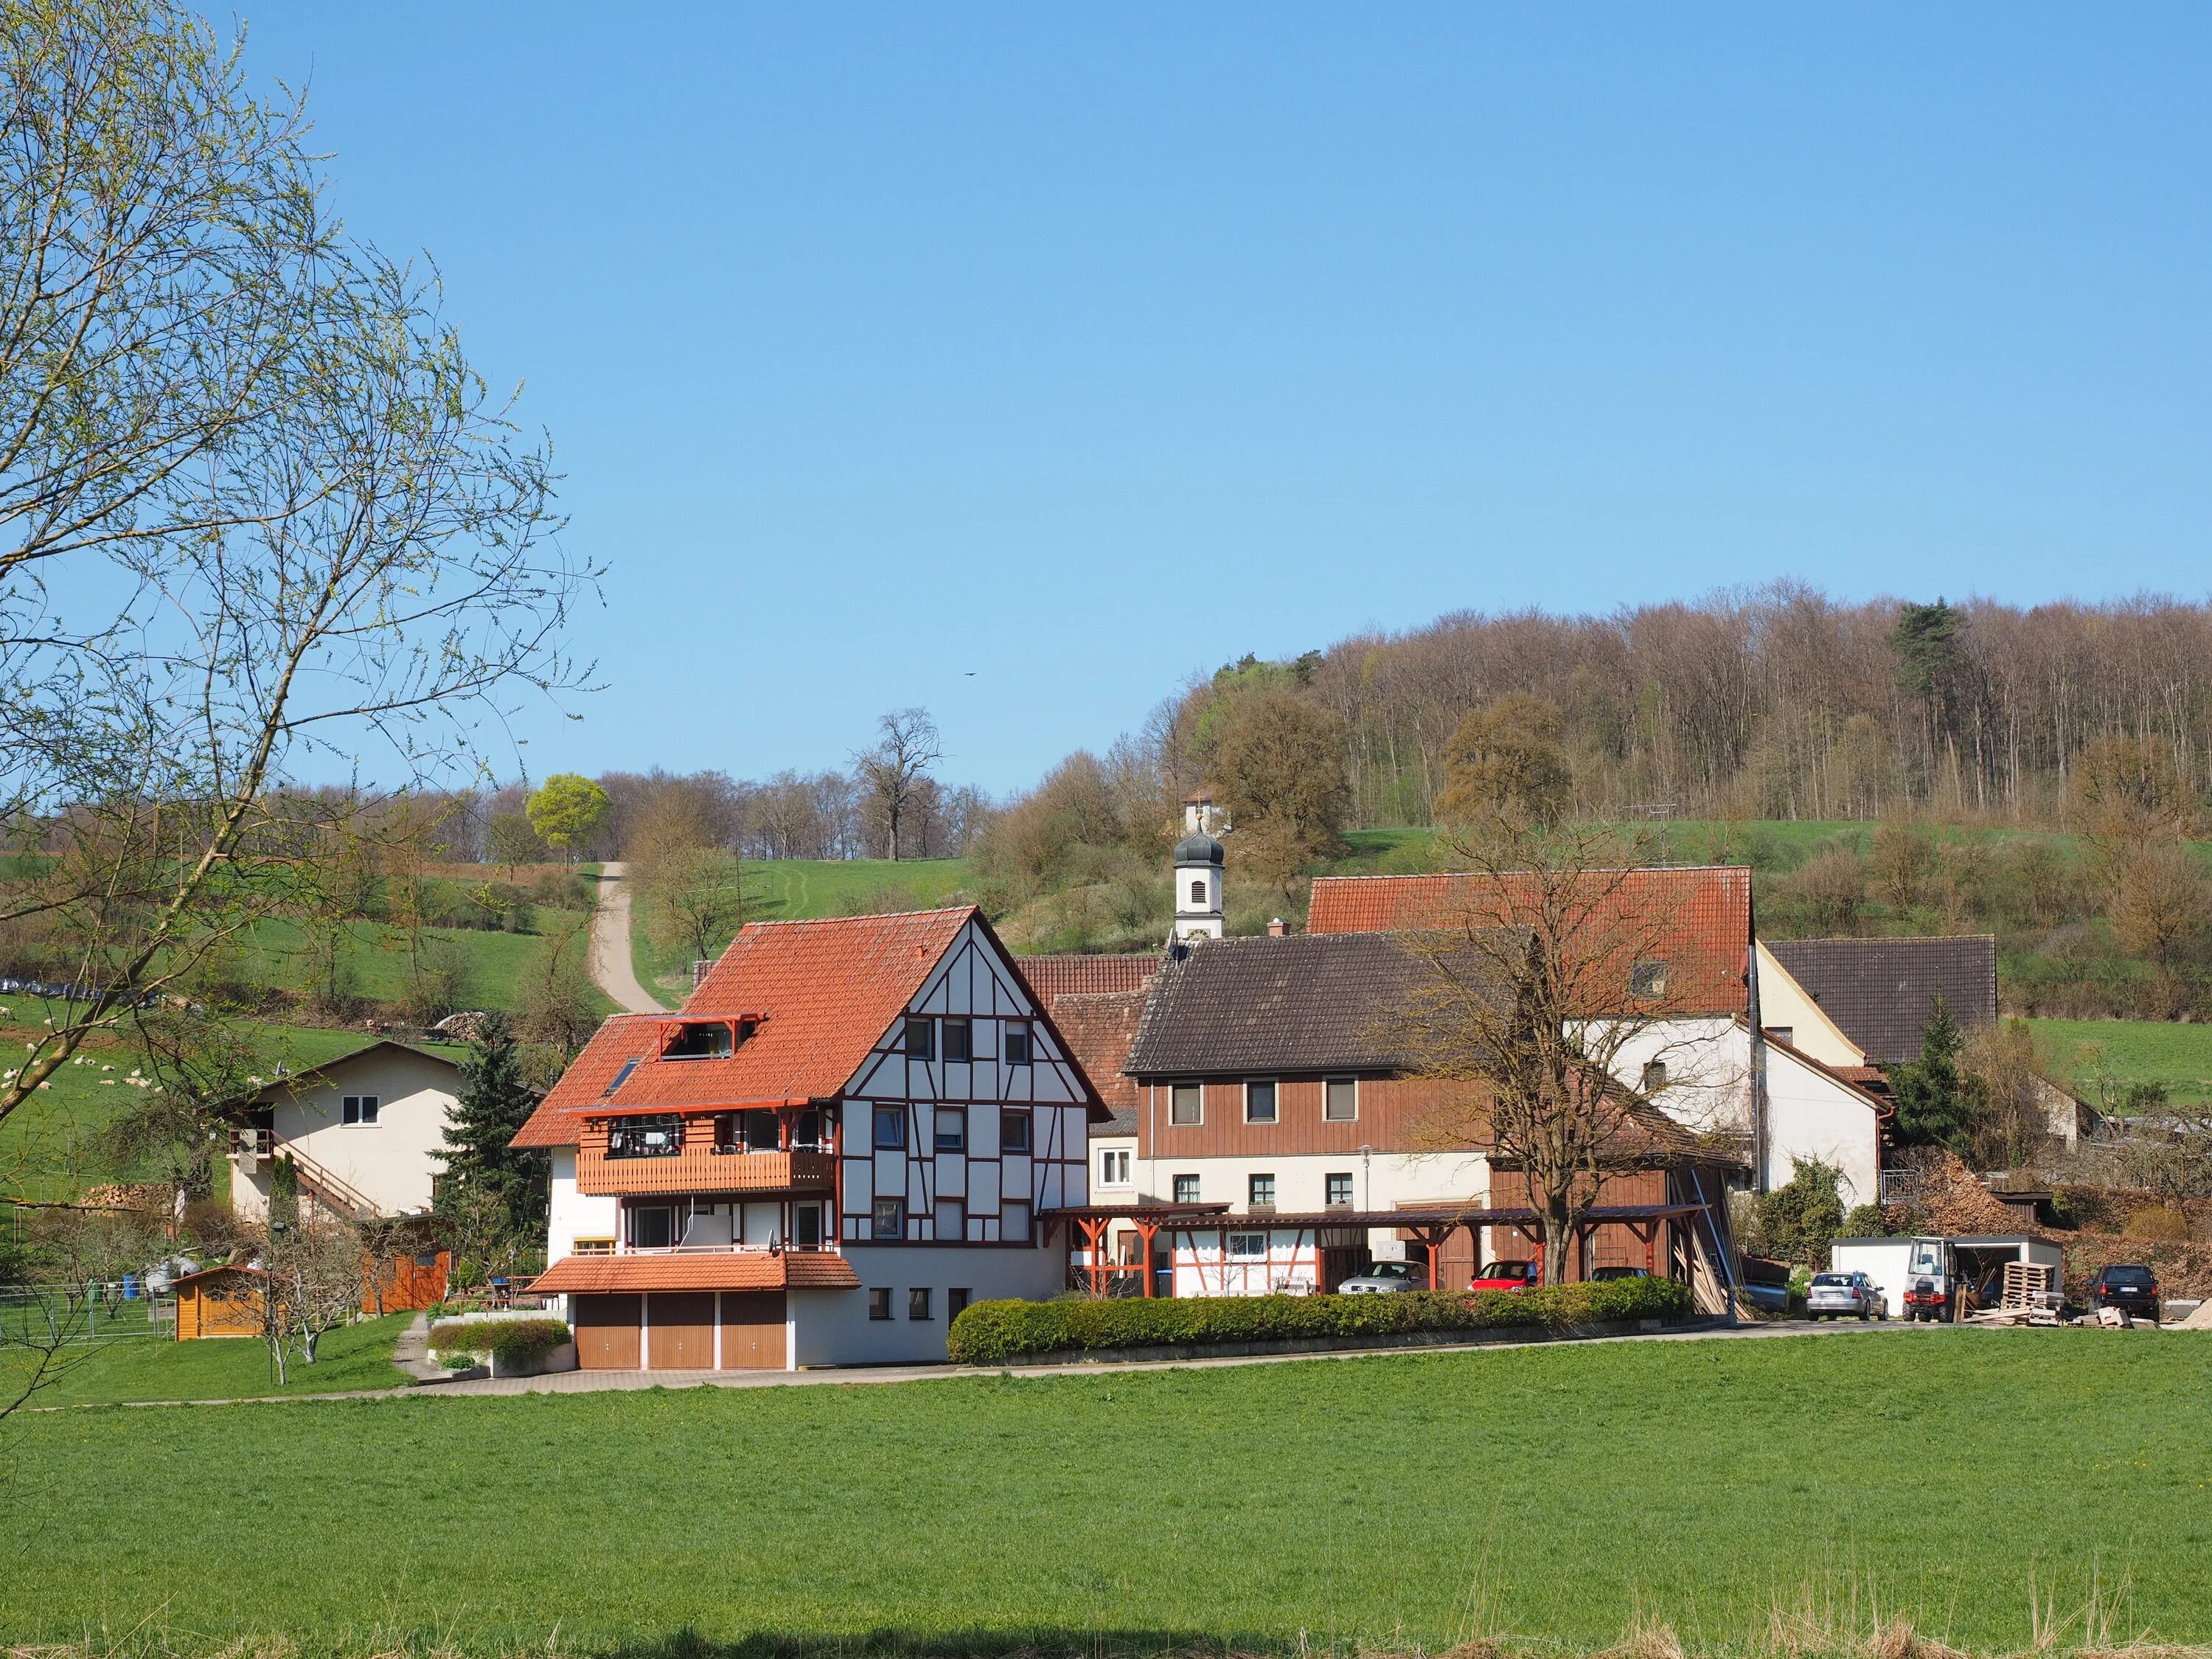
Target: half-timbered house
(852, 1129)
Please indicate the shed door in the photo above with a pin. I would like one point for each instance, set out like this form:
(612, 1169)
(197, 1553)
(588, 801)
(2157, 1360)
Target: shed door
(680, 1333)
(753, 1330)
(607, 1333)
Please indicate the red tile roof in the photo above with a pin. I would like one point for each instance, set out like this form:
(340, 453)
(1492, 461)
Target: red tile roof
(1700, 918)
(1071, 975)
(824, 992)
(749, 1270)
(1099, 1029)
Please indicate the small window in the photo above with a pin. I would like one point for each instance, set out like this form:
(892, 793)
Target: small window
(951, 1221)
(1648, 979)
(583, 1247)
(1113, 1167)
(806, 1226)
(1654, 1076)
(879, 1302)
(1341, 1100)
(1013, 1132)
(622, 1076)
(1017, 1043)
(1014, 1223)
(357, 1108)
(917, 1303)
(1340, 1191)
(952, 1128)
(959, 1040)
(1186, 1105)
(1260, 1102)
(1263, 1191)
(368, 1108)
(652, 1229)
(1783, 1033)
(920, 1038)
(891, 1128)
(1186, 1189)
(1197, 892)
(956, 1301)
(891, 1219)
(1247, 1247)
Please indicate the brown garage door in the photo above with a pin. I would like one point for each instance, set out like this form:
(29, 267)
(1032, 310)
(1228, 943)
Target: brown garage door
(753, 1330)
(679, 1333)
(607, 1333)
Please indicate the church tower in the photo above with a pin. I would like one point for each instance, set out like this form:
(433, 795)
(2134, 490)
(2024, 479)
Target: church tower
(1198, 887)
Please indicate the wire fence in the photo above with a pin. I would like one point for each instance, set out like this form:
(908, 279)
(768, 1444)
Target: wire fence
(43, 1315)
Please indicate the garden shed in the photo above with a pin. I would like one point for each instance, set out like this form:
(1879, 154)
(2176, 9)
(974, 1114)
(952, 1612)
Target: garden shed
(224, 1301)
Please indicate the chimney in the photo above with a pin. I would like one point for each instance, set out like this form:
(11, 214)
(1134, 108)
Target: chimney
(1278, 929)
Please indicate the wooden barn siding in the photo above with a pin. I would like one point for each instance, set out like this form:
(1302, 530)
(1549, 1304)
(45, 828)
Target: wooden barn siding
(1396, 1114)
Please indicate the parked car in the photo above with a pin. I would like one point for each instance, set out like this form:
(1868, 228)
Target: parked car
(1600, 1275)
(2126, 1284)
(1505, 1276)
(1385, 1277)
(1832, 1296)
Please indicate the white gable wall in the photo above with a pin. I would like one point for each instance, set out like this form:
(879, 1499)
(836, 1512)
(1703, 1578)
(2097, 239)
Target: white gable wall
(1814, 1116)
(392, 1161)
(1787, 1008)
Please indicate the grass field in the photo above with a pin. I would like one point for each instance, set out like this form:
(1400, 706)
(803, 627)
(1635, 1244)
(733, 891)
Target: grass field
(789, 889)
(1556, 1494)
(2178, 1058)
(495, 963)
(135, 1368)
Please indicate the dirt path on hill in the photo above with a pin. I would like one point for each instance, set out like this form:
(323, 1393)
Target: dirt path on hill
(611, 968)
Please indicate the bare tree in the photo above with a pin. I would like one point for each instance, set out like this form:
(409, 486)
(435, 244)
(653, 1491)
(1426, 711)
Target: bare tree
(695, 898)
(313, 1271)
(255, 506)
(1551, 988)
(893, 774)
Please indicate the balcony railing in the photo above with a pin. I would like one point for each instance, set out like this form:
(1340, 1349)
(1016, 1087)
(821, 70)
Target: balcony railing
(728, 1249)
(702, 1167)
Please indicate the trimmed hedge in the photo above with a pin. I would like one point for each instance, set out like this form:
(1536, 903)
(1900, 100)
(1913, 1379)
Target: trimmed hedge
(510, 1338)
(992, 1333)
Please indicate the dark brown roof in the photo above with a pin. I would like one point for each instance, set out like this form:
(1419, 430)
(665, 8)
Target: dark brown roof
(1099, 1029)
(1072, 974)
(1878, 990)
(1308, 1002)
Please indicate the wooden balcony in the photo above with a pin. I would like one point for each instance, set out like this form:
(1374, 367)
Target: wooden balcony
(699, 1168)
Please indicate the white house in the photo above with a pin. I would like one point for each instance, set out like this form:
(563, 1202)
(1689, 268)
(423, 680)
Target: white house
(364, 1133)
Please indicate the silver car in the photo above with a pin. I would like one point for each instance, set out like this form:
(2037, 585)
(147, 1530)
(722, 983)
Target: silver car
(1832, 1296)
(1387, 1276)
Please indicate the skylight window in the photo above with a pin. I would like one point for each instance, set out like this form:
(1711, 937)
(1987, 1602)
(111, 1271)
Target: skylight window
(621, 1077)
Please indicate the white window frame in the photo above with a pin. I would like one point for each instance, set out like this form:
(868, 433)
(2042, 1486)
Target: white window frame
(1240, 1247)
(1114, 1166)
(360, 1110)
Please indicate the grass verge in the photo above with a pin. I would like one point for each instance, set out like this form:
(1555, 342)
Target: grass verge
(1549, 1496)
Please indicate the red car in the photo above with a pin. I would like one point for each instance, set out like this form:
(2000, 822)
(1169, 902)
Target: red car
(1507, 1276)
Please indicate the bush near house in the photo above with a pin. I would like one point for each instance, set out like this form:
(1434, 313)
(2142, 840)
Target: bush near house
(509, 1339)
(991, 1333)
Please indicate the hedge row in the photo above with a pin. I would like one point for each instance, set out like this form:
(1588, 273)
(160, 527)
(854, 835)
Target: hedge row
(992, 1333)
(510, 1338)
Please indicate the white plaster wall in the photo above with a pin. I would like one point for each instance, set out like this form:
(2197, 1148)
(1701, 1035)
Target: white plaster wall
(832, 1327)
(576, 1215)
(1708, 1070)
(1783, 1003)
(392, 1161)
(1810, 1115)
(1102, 1193)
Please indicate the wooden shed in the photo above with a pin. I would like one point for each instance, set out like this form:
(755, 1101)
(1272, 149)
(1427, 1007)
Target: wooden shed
(224, 1301)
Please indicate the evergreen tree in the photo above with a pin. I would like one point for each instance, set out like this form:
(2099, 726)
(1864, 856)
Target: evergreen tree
(479, 1155)
(1934, 1101)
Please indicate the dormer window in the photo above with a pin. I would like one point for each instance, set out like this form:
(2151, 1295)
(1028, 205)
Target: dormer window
(1648, 979)
(707, 1039)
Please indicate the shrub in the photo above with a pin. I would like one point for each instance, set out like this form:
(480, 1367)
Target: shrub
(510, 1338)
(1866, 1221)
(991, 1333)
(2165, 1222)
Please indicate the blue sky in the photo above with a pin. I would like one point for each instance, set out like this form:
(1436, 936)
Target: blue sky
(1083, 349)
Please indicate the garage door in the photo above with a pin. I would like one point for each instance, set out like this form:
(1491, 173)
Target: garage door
(679, 1335)
(753, 1330)
(607, 1333)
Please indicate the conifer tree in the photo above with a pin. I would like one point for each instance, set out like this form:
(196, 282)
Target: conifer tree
(480, 1156)
(1934, 1101)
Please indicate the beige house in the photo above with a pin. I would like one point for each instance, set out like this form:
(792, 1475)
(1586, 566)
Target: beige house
(366, 1133)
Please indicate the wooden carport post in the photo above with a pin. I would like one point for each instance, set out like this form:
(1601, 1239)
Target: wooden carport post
(1145, 1232)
